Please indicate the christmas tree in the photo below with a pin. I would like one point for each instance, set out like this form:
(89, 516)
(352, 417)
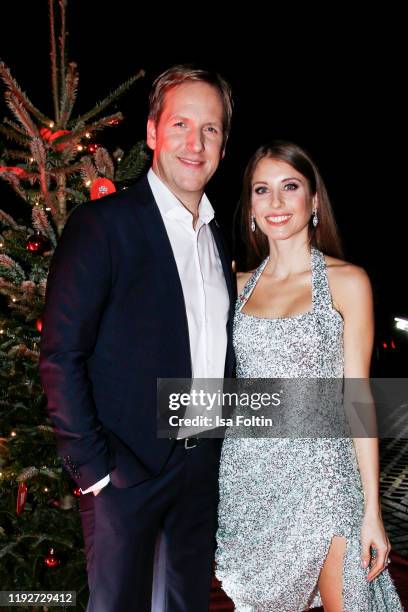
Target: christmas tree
(53, 165)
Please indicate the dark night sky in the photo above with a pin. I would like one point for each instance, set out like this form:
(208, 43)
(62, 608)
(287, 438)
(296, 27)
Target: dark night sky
(332, 88)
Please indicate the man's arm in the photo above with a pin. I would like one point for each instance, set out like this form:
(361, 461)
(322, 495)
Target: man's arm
(78, 286)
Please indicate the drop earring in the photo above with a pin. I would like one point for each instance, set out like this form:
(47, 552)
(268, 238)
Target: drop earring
(253, 226)
(315, 219)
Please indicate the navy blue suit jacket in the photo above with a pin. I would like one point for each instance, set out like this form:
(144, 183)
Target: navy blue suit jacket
(115, 321)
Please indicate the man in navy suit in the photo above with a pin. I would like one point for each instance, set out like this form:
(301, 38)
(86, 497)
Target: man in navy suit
(140, 288)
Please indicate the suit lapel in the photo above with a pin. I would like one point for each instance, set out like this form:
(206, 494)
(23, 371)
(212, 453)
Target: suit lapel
(226, 264)
(156, 233)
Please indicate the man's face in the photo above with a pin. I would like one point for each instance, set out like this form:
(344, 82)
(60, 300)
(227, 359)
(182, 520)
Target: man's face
(188, 138)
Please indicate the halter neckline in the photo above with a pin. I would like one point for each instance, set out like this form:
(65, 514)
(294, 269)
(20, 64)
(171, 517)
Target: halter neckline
(321, 296)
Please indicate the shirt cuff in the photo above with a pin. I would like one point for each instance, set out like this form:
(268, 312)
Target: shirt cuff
(98, 485)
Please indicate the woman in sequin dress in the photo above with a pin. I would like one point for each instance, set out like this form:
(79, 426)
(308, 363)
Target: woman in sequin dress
(299, 518)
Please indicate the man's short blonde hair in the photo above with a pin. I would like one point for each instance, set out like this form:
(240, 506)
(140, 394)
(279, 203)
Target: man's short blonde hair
(182, 73)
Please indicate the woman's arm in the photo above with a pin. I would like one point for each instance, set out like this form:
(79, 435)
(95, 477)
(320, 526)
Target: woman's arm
(353, 295)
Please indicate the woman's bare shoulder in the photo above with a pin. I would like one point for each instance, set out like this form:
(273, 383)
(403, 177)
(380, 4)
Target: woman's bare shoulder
(345, 272)
(349, 283)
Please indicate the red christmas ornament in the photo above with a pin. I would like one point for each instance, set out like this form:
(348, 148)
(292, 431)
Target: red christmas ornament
(93, 147)
(77, 492)
(21, 496)
(49, 136)
(39, 325)
(37, 243)
(101, 187)
(51, 560)
(45, 133)
(58, 134)
(20, 172)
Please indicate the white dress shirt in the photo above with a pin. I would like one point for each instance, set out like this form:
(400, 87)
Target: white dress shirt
(202, 280)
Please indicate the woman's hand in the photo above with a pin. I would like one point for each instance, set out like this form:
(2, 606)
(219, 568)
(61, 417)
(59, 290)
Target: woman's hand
(373, 536)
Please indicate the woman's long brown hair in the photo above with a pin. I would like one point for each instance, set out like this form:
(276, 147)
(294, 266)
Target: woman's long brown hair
(324, 237)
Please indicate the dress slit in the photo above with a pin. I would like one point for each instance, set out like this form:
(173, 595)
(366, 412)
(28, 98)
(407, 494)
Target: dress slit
(315, 595)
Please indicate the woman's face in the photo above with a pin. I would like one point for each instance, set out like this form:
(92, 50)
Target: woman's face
(281, 200)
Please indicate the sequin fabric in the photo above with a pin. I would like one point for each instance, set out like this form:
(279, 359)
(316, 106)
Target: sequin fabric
(283, 499)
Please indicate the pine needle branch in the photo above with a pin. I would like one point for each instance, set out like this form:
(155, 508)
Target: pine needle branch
(80, 132)
(8, 221)
(40, 156)
(11, 134)
(63, 59)
(22, 97)
(15, 154)
(88, 170)
(69, 95)
(78, 196)
(100, 106)
(15, 184)
(42, 223)
(17, 108)
(133, 164)
(53, 56)
(38, 152)
(10, 269)
(104, 163)
(66, 170)
(16, 127)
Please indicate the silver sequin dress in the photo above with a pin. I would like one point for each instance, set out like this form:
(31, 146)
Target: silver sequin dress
(283, 499)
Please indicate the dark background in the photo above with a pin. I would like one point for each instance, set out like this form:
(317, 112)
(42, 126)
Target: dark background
(329, 81)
